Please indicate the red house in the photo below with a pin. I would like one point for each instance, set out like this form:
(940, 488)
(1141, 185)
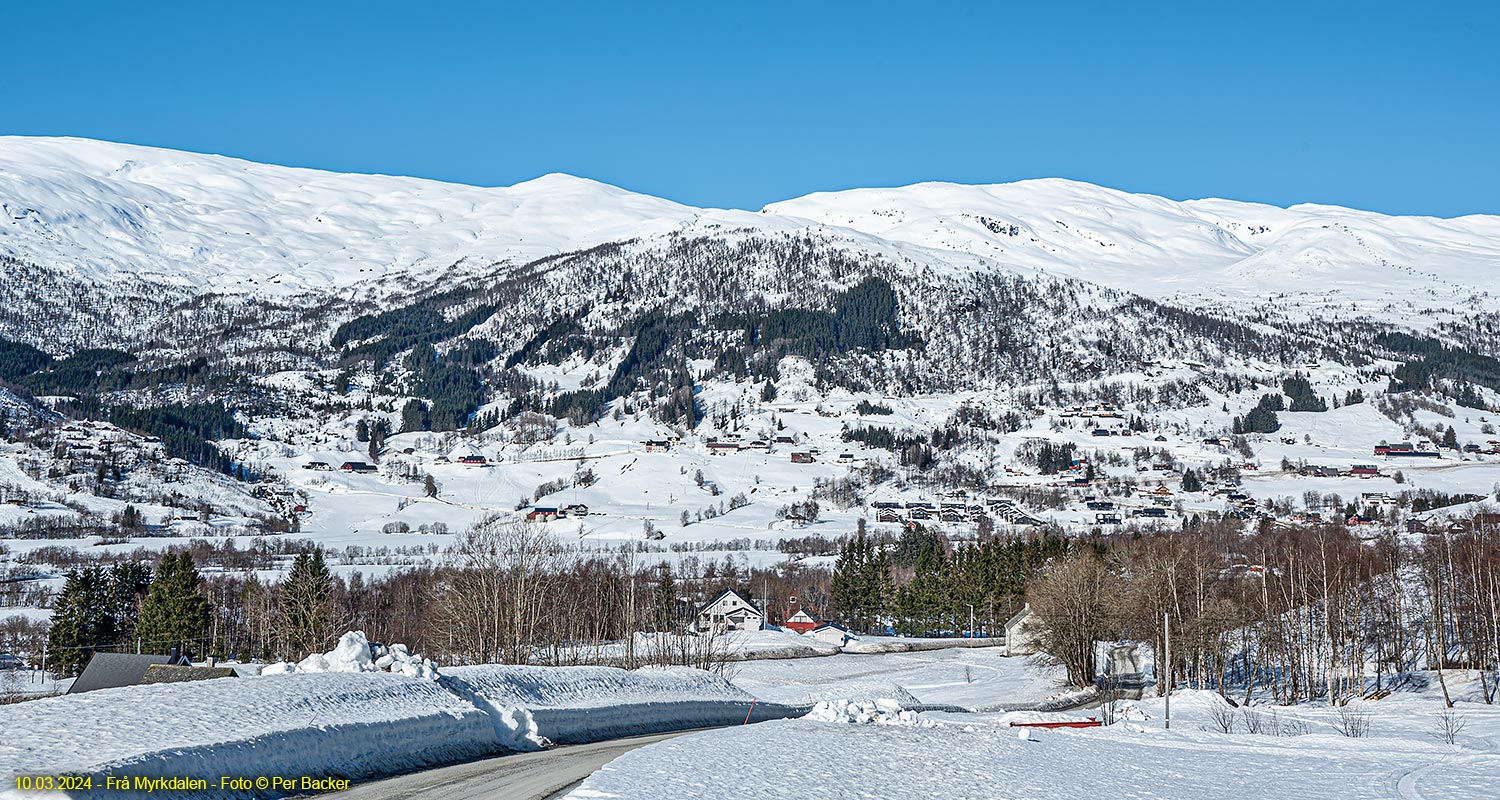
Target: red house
(797, 618)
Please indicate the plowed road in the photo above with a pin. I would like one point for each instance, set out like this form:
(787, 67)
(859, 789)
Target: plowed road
(522, 776)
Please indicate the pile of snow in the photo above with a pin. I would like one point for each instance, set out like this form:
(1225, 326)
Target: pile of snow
(356, 653)
(353, 726)
(882, 711)
(531, 706)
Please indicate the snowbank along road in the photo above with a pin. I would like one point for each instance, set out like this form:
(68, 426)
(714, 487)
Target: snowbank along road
(523, 776)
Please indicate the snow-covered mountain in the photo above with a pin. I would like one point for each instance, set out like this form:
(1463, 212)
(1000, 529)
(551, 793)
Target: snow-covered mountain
(106, 211)
(109, 211)
(1164, 248)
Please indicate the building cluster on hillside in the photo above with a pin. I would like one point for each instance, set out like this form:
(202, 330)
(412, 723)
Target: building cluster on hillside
(954, 508)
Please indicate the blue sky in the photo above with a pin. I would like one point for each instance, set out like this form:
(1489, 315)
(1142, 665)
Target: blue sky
(1393, 107)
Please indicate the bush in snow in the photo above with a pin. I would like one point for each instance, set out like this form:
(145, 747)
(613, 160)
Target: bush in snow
(355, 653)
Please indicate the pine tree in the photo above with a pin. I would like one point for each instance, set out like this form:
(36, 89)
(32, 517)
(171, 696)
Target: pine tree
(174, 611)
(1450, 438)
(306, 606)
(81, 620)
(429, 486)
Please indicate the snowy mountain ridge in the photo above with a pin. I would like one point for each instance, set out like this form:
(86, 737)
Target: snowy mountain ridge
(105, 211)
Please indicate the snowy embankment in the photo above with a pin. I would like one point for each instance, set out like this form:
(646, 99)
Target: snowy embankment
(352, 726)
(531, 706)
(356, 712)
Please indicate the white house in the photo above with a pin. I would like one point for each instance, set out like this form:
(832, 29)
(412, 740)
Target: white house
(832, 633)
(1021, 633)
(730, 611)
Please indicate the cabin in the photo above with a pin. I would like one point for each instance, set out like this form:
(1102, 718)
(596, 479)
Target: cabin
(797, 618)
(1364, 470)
(320, 466)
(729, 611)
(540, 514)
(357, 466)
(575, 510)
(472, 460)
(887, 515)
(1106, 519)
(1153, 513)
(722, 448)
(657, 445)
(785, 440)
(846, 458)
(803, 458)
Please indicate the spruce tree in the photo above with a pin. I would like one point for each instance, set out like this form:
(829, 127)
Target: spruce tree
(306, 607)
(1450, 438)
(128, 583)
(174, 611)
(81, 620)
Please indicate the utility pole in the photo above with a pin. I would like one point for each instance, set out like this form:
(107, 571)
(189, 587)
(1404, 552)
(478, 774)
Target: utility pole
(1166, 621)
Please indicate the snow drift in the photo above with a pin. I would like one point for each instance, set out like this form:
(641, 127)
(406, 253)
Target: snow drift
(534, 705)
(356, 653)
(353, 726)
(881, 711)
(351, 720)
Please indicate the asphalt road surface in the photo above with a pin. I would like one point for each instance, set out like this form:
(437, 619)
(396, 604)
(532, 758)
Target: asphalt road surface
(521, 776)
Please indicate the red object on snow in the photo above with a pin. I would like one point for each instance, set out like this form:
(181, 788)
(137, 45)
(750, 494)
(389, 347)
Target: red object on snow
(1088, 723)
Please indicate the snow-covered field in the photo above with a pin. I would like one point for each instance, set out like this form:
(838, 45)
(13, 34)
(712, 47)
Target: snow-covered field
(837, 754)
(981, 677)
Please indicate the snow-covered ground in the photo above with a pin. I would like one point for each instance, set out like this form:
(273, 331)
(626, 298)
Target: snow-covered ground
(980, 677)
(354, 725)
(950, 756)
(325, 724)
